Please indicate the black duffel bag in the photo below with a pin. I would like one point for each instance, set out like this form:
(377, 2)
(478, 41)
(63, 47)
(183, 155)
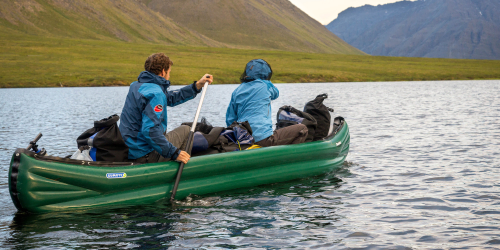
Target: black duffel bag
(321, 113)
(288, 115)
(106, 141)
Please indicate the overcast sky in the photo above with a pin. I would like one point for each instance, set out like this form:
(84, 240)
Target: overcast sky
(326, 11)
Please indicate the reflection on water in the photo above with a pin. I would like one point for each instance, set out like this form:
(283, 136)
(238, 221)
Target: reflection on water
(422, 173)
(232, 215)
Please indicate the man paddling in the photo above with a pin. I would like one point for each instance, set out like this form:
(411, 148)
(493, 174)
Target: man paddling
(144, 117)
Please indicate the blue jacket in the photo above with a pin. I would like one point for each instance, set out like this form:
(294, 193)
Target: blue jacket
(251, 101)
(144, 117)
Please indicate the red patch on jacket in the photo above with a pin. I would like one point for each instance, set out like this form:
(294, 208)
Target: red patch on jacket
(158, 108)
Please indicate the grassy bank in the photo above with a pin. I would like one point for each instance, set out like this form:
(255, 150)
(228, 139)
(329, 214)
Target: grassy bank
(51, 62)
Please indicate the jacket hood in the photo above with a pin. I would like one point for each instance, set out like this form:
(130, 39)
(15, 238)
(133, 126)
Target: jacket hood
(148, 77)
(257, 69)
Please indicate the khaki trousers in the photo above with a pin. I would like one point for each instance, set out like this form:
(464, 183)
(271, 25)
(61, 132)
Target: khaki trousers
(178, 137)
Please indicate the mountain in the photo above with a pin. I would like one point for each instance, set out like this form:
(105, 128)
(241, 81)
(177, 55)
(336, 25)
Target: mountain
(125, 20)
(262, 24)
(468, 29)
(255, 24)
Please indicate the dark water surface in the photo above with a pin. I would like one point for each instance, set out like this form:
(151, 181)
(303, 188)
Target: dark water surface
(423, 172)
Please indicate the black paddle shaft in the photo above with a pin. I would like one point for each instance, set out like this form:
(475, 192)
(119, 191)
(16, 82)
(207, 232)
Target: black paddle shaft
(181, 167)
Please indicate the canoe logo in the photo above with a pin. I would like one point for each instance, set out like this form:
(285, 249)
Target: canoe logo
(158, 108)
(116, 175)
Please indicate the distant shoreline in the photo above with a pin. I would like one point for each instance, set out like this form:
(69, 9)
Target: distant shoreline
(29, 61)
(104, 85)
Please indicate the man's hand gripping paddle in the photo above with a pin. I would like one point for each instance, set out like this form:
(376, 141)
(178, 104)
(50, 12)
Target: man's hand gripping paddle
(189, 142)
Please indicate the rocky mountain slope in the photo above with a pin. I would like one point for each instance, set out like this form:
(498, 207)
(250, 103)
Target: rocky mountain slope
(125, 20)
(275, 24)
(425, 28)
(255, 24)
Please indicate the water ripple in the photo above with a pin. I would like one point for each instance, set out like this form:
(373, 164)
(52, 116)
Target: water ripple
(422, 173)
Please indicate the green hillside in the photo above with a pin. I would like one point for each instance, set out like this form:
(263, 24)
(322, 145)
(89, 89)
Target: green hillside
(125, 20)
(32, 61)
(262, 24)
(252, 24)
(105, 42)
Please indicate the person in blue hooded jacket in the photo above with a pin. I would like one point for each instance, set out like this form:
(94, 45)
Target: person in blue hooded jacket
(251, 102)
(144, 117)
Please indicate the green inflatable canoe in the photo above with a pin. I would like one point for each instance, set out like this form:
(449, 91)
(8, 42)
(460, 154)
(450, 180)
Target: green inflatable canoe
(40, 184)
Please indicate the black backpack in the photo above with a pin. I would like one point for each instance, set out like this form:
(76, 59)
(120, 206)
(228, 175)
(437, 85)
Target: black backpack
(106, 141)
(288, 115)
(321, 113)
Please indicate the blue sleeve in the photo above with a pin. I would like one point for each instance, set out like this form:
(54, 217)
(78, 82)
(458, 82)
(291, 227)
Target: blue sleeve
(275, 93)
(231, 115)
(182, 95)
(152, 128)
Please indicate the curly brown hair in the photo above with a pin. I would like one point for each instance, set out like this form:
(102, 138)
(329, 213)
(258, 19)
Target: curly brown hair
(157, 62)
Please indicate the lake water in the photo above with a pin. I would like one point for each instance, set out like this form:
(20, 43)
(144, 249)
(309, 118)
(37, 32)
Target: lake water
(423, 172)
